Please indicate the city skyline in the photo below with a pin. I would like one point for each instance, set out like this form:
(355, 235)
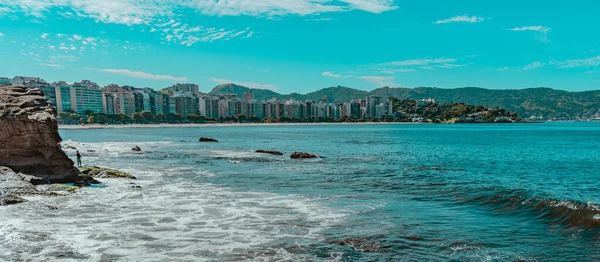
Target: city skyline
(184, 99)
(305, 45)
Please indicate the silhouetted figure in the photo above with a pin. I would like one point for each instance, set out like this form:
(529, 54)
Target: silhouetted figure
(78, 159)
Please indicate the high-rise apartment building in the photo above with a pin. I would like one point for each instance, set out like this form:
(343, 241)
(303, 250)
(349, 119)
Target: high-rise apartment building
(209, 107)
(86, 97)
(371, 104)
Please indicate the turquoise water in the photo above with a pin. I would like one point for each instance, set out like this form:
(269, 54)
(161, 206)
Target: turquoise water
(381, 192)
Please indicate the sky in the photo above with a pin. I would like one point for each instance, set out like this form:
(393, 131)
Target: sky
(305, 45)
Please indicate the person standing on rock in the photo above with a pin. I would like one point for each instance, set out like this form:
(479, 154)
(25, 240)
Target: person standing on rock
(78, 159)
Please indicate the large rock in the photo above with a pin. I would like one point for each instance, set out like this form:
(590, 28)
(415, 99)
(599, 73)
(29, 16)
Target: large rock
(206, 139)
(29, 139)
(302, 155)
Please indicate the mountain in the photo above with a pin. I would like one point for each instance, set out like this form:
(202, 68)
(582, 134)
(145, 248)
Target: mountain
(259, 94)
(544, 102)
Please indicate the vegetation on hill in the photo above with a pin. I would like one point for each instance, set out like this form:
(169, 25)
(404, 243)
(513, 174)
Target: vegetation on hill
(540, 102)
(450, 112)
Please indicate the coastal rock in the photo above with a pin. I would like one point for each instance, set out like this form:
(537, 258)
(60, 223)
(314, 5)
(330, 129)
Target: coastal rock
(102, 172)
(206, 139)
(11, 200)
(271, 152)
(15, 185)
(29, 136)
(137, 149)
(302, 155)
(12, 187)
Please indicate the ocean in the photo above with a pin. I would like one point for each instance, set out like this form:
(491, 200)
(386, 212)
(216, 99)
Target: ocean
(405, 192)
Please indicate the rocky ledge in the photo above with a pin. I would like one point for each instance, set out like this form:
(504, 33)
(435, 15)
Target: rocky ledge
(13, 186)
(270, 152)
(29, 139)
(206, 139)
(102, 172)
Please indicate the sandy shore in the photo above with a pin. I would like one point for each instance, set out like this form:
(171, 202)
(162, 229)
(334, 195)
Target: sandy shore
(97, 126)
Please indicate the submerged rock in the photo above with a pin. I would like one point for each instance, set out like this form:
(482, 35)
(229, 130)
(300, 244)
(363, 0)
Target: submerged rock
(29, 135)
(302, 155)
(271, 152)
(137, 149)
(11, 200)
(102, 172)
(206, 139)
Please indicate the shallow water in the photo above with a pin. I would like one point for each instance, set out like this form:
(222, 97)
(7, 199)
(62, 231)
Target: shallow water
(380, 192)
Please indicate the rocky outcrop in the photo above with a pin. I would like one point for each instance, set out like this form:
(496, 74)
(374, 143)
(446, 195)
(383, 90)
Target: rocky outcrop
(302, 155)
(206, 139)
(102, 172)
(271, 152)
(13, 187)
(29, 139)
(137, 149)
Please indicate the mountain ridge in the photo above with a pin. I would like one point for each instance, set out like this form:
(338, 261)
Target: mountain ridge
(539, 101)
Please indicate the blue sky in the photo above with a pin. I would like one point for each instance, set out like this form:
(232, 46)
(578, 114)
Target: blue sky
(305, 45)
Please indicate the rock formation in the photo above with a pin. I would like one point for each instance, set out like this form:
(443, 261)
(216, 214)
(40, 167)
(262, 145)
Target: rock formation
(137, 149)
(301, 155)
(29, 139)
(103, 172)
(271, 152)
(206, 139)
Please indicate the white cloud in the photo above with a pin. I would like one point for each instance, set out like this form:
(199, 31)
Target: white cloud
(461, 19)
(144, 75)
(380, 81)
(373, 6)
(246, 84)
(272, 8)
(1, 35)
(541, 32)
(538, 28)
(421, 62)
(330, 74)
(502, 68)
(55, 66)
(132, 12)
(52, 47)
(401, 70)
(587, 62)
(44, 35)
(534, 65)
(161, 17)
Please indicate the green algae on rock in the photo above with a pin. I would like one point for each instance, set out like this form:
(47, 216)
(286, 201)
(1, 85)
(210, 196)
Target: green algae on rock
(102, 172)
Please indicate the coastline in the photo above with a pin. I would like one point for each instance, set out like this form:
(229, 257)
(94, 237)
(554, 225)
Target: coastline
(98, 126)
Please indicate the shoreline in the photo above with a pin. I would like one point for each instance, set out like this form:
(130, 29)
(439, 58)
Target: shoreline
(98, 126)
(207, 125)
